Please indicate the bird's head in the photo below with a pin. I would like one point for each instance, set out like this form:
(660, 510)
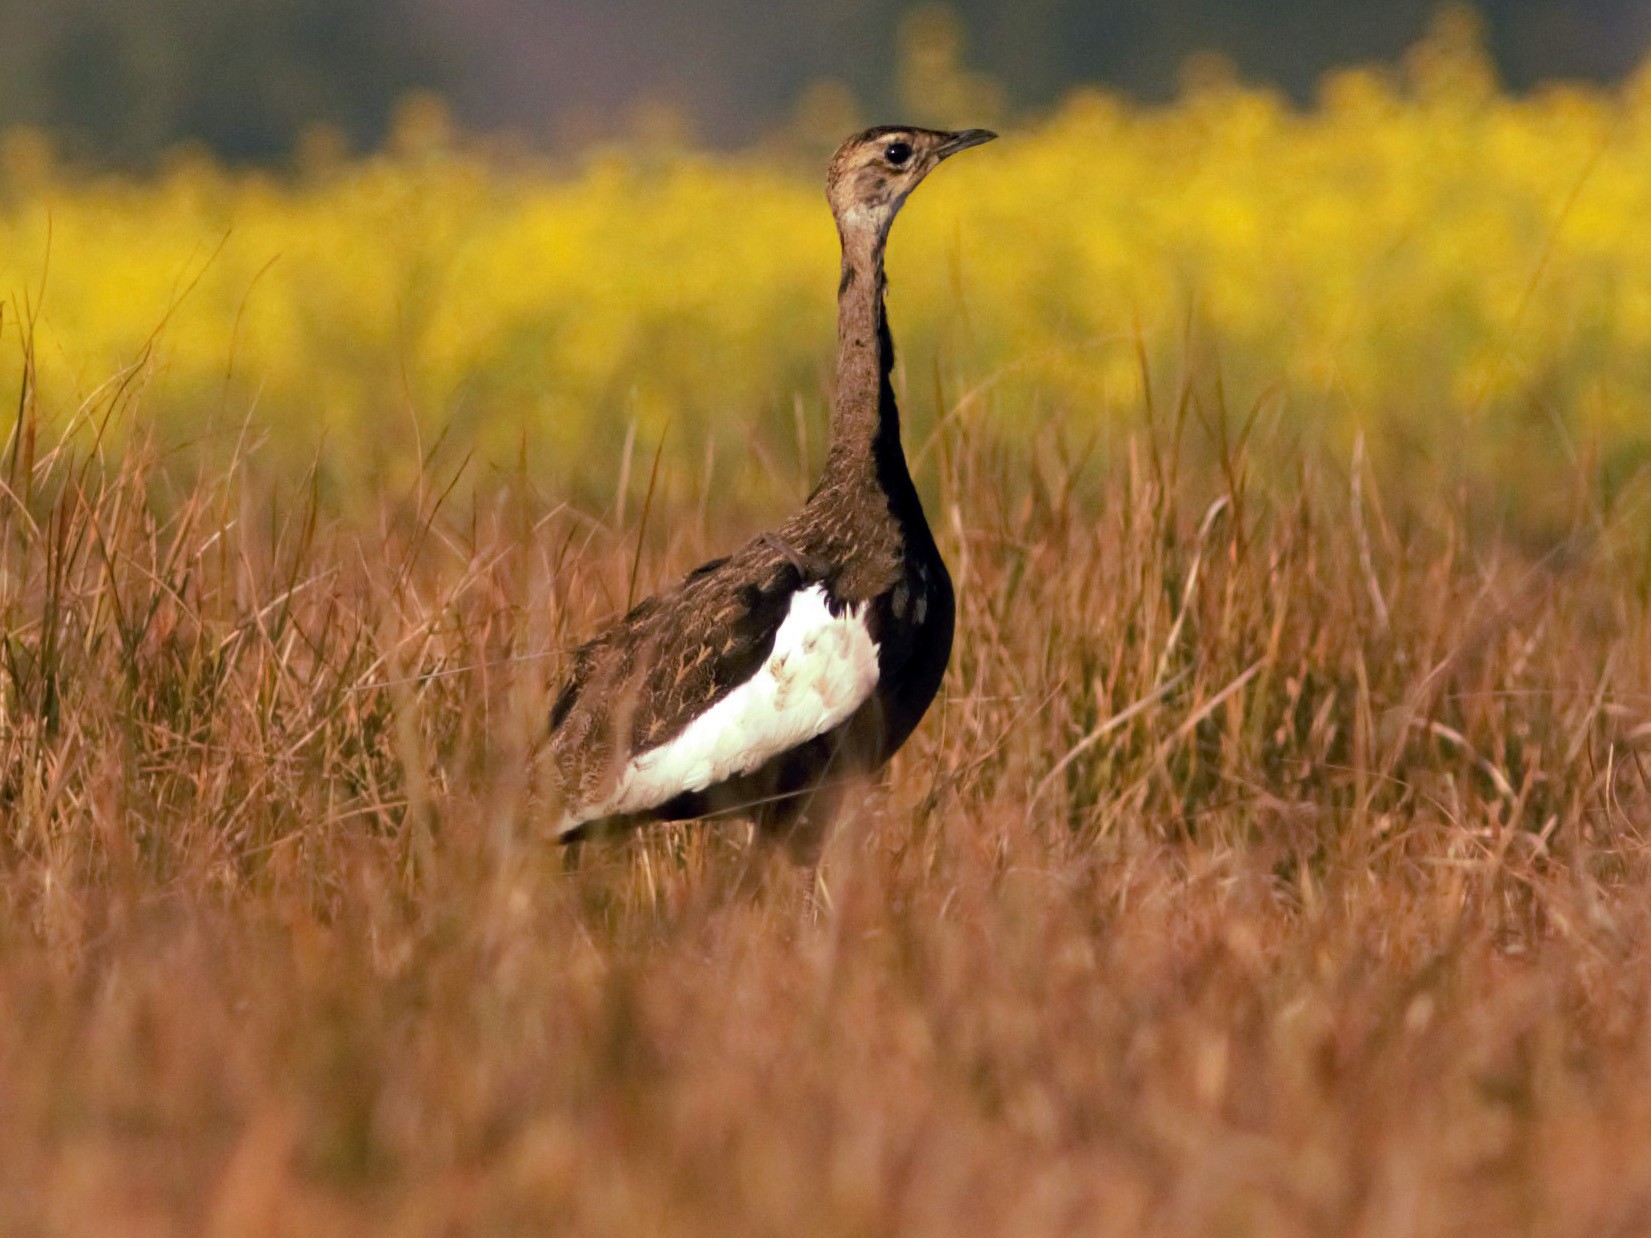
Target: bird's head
(872, 173)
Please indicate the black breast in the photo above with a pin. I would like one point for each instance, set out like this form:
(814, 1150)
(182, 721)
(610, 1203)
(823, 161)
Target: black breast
(912, 624)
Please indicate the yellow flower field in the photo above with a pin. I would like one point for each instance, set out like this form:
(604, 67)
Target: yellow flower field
(1418, 257)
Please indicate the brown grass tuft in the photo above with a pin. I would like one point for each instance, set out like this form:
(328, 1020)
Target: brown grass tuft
(1274, 864)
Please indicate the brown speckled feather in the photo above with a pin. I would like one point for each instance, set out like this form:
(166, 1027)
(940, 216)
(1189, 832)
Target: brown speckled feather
(640, 682)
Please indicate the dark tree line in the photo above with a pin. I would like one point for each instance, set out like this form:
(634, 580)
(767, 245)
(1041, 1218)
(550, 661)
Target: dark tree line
(124, 79)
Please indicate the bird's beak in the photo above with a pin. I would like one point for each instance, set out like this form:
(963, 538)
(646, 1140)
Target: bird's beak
(962, 140)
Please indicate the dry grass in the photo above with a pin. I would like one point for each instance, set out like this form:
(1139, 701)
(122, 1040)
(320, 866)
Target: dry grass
(1274, 864)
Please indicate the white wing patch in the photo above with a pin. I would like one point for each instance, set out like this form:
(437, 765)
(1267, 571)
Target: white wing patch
(822, 668)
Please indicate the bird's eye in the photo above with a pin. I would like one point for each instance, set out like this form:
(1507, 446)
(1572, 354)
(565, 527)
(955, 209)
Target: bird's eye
(897, 153)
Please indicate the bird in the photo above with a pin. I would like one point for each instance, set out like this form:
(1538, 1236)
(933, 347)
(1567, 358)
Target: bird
(766, 682)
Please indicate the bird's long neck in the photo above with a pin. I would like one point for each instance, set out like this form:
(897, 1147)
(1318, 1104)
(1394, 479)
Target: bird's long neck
(865, 423)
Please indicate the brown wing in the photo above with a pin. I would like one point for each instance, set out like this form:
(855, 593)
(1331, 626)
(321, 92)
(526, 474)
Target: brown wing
(642, 681)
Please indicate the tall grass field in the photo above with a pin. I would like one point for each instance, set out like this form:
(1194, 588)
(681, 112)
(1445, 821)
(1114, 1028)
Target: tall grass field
(1274, 861)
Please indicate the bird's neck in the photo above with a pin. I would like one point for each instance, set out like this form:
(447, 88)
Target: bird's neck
(865, 423)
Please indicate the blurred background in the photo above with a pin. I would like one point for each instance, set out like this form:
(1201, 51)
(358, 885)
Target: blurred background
(1413, 225)
(120, 80)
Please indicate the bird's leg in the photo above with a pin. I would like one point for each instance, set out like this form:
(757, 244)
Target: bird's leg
(767, 865)
(799, 832)
(816, 894)
(756, 861)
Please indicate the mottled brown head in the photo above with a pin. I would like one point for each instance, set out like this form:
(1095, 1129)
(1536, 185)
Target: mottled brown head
(872, 172)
